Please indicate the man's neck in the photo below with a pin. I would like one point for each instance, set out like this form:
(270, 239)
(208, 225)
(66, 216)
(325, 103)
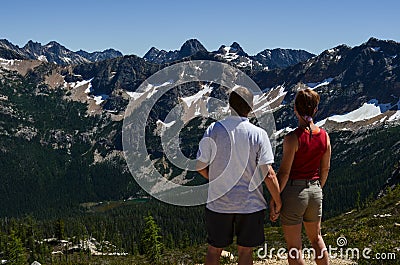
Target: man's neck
(234, 114)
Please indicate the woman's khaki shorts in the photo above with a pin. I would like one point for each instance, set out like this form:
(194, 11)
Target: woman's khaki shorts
(301, 202)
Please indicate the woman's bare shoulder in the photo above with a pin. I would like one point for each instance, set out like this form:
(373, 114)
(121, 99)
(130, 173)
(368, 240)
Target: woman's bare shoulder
(291, 136)
(291, 140)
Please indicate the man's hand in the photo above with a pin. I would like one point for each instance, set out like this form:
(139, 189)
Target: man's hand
(274, 210)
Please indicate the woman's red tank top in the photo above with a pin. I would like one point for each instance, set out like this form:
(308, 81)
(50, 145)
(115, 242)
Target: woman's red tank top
(307, 159)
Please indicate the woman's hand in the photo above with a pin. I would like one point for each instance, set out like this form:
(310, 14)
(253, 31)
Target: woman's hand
(274, 210)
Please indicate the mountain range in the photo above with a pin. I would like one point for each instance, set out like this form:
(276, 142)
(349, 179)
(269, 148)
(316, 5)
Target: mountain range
(267, 59)
(61, 116)
(346, 78)
(52, 52)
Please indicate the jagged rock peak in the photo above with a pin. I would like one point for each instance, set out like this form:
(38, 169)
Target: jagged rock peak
(54, 44)
(6, 44)
(389, 47)
(5, 41)
(191, 47)
(234, 48)
(152, 52)
(106, 50)
(11, 51)
(100, 55)
(112, 50)
(238, 49)
(376, 42)
(153, 49)
(34, 47)
(33, 43)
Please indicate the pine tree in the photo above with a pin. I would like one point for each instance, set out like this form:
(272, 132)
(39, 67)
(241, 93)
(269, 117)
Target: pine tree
(60, 229)
(15, 252)
(151, 241)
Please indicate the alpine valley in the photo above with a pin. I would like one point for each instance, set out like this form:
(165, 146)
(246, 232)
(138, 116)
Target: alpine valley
(67, 194)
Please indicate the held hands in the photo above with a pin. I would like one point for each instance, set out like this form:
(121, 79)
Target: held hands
(272, 184)
(274, 210)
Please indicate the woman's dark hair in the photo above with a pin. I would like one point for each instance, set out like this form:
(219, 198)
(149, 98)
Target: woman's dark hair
(306, 103)
(241, 101)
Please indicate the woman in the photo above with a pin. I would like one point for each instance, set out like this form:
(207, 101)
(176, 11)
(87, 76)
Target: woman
(302, 175)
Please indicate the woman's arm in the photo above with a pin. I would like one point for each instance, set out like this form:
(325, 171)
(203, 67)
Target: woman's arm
(325, 163)
(290, 146)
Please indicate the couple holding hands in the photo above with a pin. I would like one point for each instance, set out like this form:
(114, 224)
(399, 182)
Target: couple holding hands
(234, 152)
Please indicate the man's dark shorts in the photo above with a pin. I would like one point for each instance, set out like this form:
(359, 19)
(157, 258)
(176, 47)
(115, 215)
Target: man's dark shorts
(248, 228)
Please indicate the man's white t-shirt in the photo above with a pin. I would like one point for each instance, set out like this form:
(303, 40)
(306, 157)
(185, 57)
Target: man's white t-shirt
(233, 148)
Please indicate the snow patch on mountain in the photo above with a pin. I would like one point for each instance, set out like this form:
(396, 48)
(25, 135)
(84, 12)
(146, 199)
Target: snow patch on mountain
(100, 98)
(367, 111)
(196, 105)
(205, 91)
(229, 54)
(270, 100)
(375, 49)
(66, 59)
(42, 58)
(282, 132)
(84, 90)
(134, 95)
(244, 64)
(87, 83)
(149, 91)
(313, 86)
(162, 126)
(394, 117)
(7, 63)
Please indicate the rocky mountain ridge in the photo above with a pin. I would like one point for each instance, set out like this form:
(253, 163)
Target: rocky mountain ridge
(267, 59)
(100, 56)
(189, 48)
(52, 52)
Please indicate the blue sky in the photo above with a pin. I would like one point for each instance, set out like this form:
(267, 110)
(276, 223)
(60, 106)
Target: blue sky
(133, 27)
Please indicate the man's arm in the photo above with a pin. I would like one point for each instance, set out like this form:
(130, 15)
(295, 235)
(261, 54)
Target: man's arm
(271, 181)
(202, 168)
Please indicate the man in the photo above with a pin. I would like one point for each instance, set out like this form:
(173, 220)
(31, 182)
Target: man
(236, 157)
